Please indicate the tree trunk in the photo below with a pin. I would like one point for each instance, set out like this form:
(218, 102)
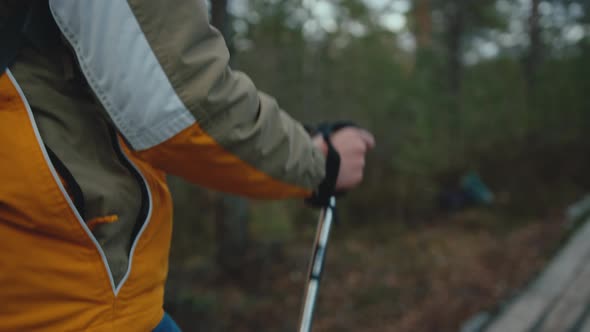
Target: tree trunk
(219, 17)
(455, 33)
(423, 19)
(455, 21)
(531, 61)
(231, 233)
(231, 213)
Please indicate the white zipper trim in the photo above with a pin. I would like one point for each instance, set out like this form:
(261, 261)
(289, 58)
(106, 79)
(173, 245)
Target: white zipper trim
(146, 222)
(65, 194)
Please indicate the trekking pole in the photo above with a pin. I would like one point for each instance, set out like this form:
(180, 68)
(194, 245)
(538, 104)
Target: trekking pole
(316, 265)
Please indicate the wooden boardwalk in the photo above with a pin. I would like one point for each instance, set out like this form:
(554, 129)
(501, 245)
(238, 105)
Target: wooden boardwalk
(558, 300)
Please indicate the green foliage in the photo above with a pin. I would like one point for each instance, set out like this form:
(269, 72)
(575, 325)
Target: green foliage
(422, 130)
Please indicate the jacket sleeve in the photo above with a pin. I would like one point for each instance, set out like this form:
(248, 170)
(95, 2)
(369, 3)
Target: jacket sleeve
(161, 72)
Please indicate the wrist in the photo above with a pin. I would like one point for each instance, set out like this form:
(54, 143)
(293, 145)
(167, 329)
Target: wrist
(320, 143)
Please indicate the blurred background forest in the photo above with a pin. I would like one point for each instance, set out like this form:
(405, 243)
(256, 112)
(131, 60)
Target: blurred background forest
(480, 109)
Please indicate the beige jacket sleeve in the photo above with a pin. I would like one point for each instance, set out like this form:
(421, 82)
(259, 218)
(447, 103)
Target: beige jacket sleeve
(161, 72)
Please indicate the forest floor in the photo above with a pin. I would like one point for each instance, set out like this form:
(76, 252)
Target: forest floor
(430, 278)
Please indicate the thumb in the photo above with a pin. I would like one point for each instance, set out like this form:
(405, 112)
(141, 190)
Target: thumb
(367, 138)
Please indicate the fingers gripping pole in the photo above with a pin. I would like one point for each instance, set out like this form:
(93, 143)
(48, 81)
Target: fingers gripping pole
(317, 265)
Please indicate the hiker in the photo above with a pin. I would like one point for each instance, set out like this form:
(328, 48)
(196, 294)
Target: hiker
(98, 101)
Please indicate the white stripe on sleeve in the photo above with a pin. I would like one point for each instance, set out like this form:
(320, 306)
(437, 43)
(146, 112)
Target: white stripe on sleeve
(122, 69)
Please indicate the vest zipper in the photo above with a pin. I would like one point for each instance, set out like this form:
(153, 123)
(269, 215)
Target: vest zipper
(75, 191)
(146, 205)
(145, 209)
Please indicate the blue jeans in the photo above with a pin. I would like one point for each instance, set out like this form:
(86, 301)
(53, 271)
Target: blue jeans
(167, 324)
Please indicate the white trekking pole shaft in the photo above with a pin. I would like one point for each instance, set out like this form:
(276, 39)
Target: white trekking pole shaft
(317, 265)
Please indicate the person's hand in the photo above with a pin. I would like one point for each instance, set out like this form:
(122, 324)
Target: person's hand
(352, 144)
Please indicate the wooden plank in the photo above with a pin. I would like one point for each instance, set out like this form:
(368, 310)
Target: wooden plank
(527, 309)
(571, 305)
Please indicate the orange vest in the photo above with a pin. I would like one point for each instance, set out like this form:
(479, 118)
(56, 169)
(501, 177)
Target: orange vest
(53, 273)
